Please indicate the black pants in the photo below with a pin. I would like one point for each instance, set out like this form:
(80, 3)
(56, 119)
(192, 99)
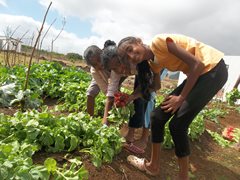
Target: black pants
(203, 91)
(140, 105)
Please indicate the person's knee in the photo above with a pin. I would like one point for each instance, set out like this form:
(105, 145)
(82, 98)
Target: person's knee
(155, 120)
(175, 128)
(172, 127)
(91, 96)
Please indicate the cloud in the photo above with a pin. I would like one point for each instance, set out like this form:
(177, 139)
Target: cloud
(67, 42)
(3, 3)
(213, 22)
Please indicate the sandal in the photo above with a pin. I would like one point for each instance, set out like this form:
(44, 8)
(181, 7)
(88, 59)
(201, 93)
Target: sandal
(133, 148)
(140, 164)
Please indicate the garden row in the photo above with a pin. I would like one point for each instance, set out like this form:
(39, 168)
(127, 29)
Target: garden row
(38, 129)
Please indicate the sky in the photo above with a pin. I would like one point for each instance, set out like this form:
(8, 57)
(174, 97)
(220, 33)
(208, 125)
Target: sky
(88, 22)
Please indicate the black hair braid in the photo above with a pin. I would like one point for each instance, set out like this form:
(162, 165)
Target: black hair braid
(109, 43)
(108, 54)
(145, 79)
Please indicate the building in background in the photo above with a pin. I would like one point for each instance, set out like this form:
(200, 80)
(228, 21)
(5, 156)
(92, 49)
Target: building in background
(10, 44)
(233, 64)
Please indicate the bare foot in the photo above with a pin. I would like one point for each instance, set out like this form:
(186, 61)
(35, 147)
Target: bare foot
(142, 165)
(153, 171)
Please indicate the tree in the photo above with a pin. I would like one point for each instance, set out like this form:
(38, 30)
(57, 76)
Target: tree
(53, 40)
(74, 56)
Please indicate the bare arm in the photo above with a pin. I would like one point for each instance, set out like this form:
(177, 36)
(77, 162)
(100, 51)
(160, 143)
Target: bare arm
(172, 103)
(154, 87)
(108, 107)
(112, 88)
(196, 67)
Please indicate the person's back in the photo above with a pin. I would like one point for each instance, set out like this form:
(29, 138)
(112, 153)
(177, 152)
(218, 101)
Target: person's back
(92, 56)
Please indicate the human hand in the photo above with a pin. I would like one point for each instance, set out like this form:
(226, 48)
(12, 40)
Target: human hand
(172, 103)
(131, 98)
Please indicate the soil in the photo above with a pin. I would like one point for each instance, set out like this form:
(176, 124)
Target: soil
(208, 160)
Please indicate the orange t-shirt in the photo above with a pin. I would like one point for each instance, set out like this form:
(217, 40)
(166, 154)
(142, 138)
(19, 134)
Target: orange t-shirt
(164, 59)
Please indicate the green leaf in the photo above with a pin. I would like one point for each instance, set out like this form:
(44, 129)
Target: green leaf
(40, 172)
(23, 173)
(46, 139)
(6, 149)
(73, 143)
(3, 172)
(51, 165)
(20, 95)
(76, 161)
(33, 123)
(8, 164)
(59, 143)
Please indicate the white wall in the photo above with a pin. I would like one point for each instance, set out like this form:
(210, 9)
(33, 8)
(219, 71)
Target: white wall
(11, 45)
(233, 72)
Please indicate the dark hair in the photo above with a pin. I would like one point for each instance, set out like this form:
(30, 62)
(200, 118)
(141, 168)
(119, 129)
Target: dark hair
(91, 51)
(129, 39)
(108, 54)
(109, 43)
(145, 75)
(145, 79)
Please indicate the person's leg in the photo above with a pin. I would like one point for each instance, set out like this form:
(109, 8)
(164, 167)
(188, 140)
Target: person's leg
(130, 135)
(149, 106)
(183, 164)
(145, 135)
(158, 120)
(142, 142)
(90, 105)
(154, 164)
(206, 87)
(136, 121)
(92, 91)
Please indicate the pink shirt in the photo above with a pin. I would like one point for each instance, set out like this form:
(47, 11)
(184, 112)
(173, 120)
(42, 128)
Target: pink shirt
(107, 81)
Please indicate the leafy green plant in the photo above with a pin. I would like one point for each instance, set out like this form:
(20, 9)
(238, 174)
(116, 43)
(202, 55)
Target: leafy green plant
(73, 171)
(48, 79)
(219, 139)
(232, 96)
(196, 129)
(213, 114)
(65, 133)
(121, 115)
(238, 109)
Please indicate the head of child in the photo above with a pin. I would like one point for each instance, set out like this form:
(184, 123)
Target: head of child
(109, 43)
(111, 61)
(134, 50)
(92, 55)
